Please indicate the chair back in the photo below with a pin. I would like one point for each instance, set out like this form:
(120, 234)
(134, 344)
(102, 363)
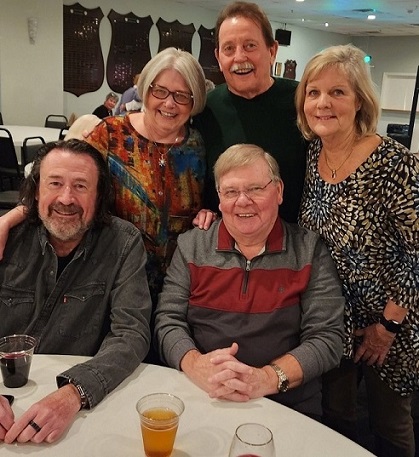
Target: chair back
(30, 147)
(56, 121)
(9, 166)
(8, 199)
(63, 133)
(1, 119)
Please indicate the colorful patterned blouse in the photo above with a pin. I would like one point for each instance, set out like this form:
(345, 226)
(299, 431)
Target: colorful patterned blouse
(370, 222)
(157, 186)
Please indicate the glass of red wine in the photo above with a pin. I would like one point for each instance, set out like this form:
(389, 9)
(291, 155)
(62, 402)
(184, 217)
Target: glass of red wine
(16, 353)
(252, 440)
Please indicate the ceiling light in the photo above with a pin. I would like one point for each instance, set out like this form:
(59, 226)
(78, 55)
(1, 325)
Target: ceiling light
(299, 0)
(326, 24)
(371, 17)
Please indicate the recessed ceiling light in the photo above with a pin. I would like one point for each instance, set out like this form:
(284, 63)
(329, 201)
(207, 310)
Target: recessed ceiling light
(299, 0)
(326, 24)
(371, 17)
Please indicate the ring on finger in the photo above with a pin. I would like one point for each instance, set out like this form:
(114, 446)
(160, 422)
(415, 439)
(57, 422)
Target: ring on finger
(35, 426)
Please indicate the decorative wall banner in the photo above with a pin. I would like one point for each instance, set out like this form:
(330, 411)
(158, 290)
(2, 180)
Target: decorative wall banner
(207, 55)
(289, 71)
(83, 59)
(175, 34)
(130, 49)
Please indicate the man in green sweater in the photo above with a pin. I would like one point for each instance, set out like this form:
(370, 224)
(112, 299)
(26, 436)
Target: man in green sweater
(252, 106)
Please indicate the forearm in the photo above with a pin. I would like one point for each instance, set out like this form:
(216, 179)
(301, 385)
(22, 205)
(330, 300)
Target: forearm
(291, 367)
(394, 312)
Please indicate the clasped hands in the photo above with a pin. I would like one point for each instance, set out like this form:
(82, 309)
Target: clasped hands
(222, 376)
(53, 414)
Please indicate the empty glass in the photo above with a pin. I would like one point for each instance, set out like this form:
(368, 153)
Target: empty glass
(252, 440)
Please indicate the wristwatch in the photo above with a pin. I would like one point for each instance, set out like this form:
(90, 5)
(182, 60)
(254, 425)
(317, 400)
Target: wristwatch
(283, 382)
(390, 325)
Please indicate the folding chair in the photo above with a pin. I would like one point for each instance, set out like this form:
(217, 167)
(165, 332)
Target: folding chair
(9, 166)
(56, 121)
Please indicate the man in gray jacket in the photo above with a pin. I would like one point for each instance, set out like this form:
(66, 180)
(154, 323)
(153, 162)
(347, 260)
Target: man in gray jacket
(252, 307)
(73, 277)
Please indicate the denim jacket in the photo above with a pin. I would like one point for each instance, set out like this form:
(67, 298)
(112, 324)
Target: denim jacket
(99, 306)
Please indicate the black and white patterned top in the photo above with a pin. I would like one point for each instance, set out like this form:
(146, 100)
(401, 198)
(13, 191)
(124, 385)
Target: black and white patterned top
(370, 222)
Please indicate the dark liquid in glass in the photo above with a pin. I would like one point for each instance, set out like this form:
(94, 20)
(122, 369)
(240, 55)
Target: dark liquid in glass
(15, 370)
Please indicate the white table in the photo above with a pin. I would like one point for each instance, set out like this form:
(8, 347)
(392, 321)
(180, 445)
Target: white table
(205, 430)
(20, 132)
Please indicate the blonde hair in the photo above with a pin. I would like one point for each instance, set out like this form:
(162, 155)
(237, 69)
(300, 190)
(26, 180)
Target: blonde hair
(350, 61)
(240, 155)
(85, 123)
(186, 65)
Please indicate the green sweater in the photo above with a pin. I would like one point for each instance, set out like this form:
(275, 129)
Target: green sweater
(267, 120)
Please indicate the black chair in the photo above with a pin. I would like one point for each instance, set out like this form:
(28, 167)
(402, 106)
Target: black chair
(63, 133)
(9, 166)
(8, 200)
(30, 147)
(56, 121)
(1, 119)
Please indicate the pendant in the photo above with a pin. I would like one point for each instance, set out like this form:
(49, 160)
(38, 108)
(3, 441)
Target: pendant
(162, 161)
(333, 174)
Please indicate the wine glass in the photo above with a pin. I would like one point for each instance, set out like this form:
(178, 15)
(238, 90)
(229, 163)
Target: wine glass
(252, 440)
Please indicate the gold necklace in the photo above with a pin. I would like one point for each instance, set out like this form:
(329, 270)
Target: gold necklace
(335, 170)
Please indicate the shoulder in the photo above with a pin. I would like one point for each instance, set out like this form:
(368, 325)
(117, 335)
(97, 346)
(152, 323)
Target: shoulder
(285, 85)
(197, 239)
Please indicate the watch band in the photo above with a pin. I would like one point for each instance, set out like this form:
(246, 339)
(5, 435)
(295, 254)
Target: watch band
(283, 382)
(390, 325)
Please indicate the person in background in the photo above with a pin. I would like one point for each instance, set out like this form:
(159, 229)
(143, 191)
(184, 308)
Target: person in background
(362, 196)
(130, 95)
(252, 106)
(252, 307)
(209, 85)
(82, 127)
(97, 301)
(105, 110)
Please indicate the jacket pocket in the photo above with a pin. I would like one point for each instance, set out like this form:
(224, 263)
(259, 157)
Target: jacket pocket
(16, 309)
(82, 311)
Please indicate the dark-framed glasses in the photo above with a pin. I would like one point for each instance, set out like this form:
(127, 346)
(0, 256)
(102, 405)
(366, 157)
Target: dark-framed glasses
(251, 193)
(160, 92)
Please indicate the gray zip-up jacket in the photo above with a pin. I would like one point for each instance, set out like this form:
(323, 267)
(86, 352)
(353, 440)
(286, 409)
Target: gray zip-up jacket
(99, 306)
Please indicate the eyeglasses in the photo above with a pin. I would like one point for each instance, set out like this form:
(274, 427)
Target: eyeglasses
(160, 92)
(251, 193)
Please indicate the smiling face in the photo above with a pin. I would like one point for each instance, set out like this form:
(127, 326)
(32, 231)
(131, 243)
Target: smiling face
(250, 221)
(330, 105)
(166, 118)
(110, 103)
(244, 57)
(67, 196)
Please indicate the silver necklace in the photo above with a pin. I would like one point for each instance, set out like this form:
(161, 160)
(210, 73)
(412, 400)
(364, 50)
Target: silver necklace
(163, 154)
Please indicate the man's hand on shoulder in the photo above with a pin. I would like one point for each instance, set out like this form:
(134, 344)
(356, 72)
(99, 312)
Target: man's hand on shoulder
(53, 415)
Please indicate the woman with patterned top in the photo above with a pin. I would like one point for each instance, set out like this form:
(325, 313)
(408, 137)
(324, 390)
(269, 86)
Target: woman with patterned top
(361, 195)
(157, 161)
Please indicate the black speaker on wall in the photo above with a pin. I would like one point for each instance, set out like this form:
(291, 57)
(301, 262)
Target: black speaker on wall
(283, 37)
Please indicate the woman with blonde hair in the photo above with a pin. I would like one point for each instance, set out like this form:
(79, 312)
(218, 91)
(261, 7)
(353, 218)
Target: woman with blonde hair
(361, 195)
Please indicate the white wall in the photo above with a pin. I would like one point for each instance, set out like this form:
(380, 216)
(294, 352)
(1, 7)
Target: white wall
(31, 78)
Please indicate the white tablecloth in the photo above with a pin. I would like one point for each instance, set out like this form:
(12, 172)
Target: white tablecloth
(205, 430)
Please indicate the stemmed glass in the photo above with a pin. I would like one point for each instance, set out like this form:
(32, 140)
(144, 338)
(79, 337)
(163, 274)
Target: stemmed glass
(252, 440)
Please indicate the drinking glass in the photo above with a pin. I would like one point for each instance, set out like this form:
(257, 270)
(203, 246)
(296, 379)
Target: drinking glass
(16, 353)
(252, 440)
(159, 418)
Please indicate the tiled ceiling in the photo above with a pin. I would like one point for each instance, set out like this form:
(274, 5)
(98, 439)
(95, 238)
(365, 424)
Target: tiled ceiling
(349, 17)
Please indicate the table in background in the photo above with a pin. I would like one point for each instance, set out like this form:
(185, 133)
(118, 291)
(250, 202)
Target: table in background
(205, 429)
(20, 132)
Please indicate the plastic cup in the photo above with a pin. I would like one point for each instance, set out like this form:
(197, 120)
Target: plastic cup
(159, 418)
(16, 353)
(252, 440)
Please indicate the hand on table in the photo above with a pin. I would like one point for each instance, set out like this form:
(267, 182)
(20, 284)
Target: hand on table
(199, 367)
(237, 381)
(6, 417)
(376, 342)
(204, 219)
(53, 414)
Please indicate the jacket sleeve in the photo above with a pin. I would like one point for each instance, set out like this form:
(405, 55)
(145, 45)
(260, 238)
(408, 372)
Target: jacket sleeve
(172, 336)
(322, 307)
(128, 340)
